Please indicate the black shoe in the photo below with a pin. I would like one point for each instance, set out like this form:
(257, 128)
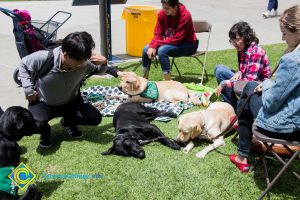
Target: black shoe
(46, 143)
(72, 130)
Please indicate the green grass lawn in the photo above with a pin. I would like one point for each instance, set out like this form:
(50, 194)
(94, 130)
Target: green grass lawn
(164, 173)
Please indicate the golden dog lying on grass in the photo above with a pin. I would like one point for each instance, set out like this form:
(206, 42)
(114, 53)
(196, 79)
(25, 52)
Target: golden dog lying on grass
(140, 89)
(206, 124)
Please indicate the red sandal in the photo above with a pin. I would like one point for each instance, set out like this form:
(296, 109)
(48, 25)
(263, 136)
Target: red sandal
(242, 167)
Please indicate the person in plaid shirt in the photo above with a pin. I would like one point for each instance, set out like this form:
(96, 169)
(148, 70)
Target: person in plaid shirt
(252, 59)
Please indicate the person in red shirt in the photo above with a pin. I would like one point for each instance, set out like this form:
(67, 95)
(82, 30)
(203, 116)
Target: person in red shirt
(174, 35)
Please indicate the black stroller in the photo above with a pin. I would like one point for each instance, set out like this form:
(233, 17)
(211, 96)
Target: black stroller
(33, 35)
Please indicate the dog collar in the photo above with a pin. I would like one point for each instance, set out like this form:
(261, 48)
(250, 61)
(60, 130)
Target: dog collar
(151, 91)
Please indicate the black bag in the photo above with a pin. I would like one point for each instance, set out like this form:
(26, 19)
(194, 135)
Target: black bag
(46, 67)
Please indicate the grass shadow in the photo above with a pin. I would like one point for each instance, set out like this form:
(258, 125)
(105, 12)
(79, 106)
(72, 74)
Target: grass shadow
(48, 187)
(59, 135)
(23, 150)
(191, 77)
(290, 189)
(133, 67)
(24, 160)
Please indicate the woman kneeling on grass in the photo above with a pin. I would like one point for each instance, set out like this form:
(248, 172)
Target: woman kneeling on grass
(276, 103)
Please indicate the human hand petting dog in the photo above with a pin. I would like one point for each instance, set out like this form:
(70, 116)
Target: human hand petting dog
(219, 90)
(122, 74)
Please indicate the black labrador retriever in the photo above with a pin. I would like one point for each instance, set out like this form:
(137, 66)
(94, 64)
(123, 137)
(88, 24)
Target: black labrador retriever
(133, 129)
(15, 123)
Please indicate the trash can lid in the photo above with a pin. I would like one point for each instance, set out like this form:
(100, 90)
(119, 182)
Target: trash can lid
(143, 8)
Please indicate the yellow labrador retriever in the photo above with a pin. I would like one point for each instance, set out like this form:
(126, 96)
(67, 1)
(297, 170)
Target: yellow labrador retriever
(206, 124)
(140, 89)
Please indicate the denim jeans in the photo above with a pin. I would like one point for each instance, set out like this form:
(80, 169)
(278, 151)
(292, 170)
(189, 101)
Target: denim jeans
(225, 73)
(272, 4)
(247, 117)
(166, 51)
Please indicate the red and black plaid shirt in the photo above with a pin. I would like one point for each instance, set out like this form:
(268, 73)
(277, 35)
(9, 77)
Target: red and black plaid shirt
(254, 64)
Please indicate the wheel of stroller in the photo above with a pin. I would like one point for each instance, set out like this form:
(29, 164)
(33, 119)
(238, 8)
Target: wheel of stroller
(16, 77)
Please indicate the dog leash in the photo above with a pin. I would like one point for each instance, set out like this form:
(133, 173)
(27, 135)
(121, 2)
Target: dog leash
(228, 128)
(142, 142)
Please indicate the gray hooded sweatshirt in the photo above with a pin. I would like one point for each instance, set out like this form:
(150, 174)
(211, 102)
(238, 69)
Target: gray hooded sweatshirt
(58, 86)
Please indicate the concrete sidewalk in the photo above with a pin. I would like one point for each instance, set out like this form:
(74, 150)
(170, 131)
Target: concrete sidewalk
(222, 14)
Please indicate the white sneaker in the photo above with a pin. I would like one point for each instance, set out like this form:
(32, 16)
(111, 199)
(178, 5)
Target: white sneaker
(273, 13)
(268, 14)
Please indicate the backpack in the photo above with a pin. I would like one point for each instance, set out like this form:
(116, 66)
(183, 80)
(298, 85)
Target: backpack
(46, 67)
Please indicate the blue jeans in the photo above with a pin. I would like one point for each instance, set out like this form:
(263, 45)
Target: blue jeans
(272, 4)
(247, 117)
(225, 73)
(166, 51)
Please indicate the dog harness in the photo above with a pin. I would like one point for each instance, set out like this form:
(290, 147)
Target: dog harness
(6, 185)
(151, 91)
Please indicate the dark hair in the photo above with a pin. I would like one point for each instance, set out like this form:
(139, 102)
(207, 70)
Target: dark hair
(171, 3)
(78, 45)
(244, 30)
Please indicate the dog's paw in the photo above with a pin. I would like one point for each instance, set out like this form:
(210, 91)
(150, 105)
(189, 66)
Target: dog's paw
(201, 154)
(189, 147)
(185, 150)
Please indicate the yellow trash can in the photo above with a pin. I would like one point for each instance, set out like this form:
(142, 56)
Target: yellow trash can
(139, 25)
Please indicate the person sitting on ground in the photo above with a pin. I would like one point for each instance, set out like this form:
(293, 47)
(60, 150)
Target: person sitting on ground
(57, 93)
(174, 36)
(252, 59)
(276, 103)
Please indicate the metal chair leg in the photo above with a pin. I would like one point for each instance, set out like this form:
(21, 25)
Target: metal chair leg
(173, 63)
(279, 174)
(203, 69)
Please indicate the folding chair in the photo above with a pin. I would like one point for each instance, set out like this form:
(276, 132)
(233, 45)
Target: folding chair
(269, 142)
(201, 26)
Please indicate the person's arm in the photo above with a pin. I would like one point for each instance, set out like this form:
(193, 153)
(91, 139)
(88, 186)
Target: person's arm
(158, 31)
(276, 92)
(100, 69)
(29, 67)
(224, 84)
(266, 72)
(98, 59)
(237, 76)
(185, 26)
